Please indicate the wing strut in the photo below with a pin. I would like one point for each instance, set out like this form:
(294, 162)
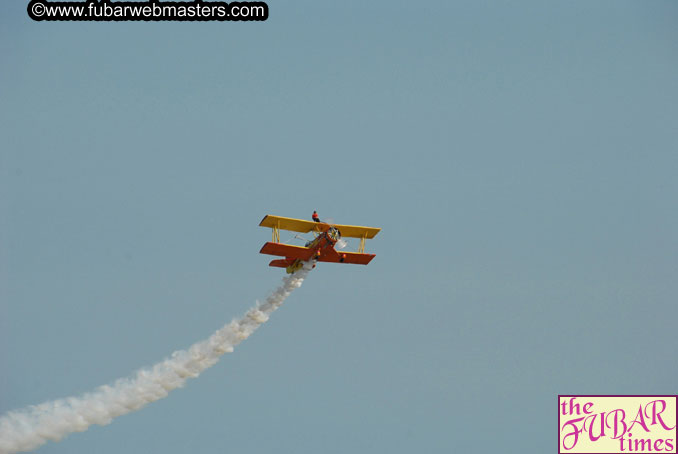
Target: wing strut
(361, 248)
(276, 232)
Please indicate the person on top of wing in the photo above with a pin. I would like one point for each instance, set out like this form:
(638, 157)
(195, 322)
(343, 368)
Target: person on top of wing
(315, 216)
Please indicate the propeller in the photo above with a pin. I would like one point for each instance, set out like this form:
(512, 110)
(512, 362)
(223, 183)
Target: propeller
(341, 244)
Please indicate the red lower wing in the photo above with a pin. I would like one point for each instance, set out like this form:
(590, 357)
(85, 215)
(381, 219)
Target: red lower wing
(348, 257)
(287, 251)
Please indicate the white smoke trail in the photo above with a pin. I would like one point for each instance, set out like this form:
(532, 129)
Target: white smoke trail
(26, 429)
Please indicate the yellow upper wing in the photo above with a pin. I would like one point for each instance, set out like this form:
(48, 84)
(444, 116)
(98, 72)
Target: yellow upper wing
(356, 231)
(299, 225)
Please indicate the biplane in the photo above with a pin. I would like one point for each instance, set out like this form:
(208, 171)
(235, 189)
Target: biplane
(320, 249)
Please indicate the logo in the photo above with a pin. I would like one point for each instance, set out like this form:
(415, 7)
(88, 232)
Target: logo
(617, 424)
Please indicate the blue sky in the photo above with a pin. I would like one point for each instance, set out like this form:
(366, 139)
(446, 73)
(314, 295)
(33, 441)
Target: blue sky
(520, 159)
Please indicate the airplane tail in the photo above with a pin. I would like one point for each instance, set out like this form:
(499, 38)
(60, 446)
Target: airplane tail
(281, 263)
